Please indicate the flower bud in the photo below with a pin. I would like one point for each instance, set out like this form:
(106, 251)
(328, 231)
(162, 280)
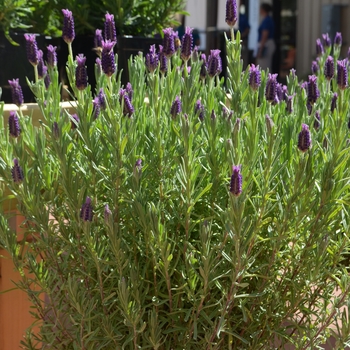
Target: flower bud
(81, 73)
(231, 12)
(214, 63)
(304, 139)
(152, 59)
(271, 88)
(32, 49)
(187, 43)
(329, 68)
(334, 102)
(16, 92)
(68, 32)
(312, 90)
(51, 56)
(108, 61)
(169, 42)
(338, 40)
(175, 107)
(342, 75)
(254, 77)
(86, 211)
(110, 32)
(14, 127)
(236, 181)
(17, 172)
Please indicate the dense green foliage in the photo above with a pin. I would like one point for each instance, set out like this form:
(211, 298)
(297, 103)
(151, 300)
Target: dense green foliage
(182, 263)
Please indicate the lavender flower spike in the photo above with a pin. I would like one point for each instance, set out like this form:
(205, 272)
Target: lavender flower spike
(231, 12)
(110, 32)
(269, 123)
(199, 108)
(312, 90)
(169, 42)
(329, 68)
(163, 67)
(334, 102)
(214, 63)
(81, 80)
(187, 43)
(108, 61)
(102, 99)
(175, 107)
(326, 40)
(203, 72)
(254, 77)
(319, 48)
(128, 107)
(17, 172)
(342, 77)
(86, 211)
(98, 39)
(304, 138)
(16, 92)
(271, 88)
(41, 65)
(51, 56)
(236, 181)
(32, 49)
(14, 127)
(338, 39)
(314, 67)
(68, 32)
(152, 59)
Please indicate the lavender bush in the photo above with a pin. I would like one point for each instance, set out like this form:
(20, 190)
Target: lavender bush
(176, 213)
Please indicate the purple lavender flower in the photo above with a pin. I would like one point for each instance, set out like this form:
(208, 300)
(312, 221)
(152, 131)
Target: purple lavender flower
(98, 39)
(338, 39)
(107, 214)
(41, 65)
(269, 123)
(169, 42)
(317, 121)
(312, 90)
(293, 72)
(342, 76)
(74, 121)
(304, 138)
(68, 33)
(163, 60)
(314, 67)
(97, 107)
(129, 91)
(102, 99)
(175, 107)
(128, 107)
(254, 77)
(236, 181)
(16, 92)
(271, 88)
(187, 43)
(326, 40)
(334, 102)
(81, 73)
(51, 56)
(110, 32)
(152, 59)
(214, 63)
(319, 48)
(280, 93)
(108, 62)
(55, 130)
(86, 211)
(32, 49)
(14, 127)
(203, 72)
(17, 172)
(199, 109)
(231, 12)
(329, 68)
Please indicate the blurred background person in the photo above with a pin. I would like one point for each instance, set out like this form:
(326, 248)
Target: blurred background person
(266, 38)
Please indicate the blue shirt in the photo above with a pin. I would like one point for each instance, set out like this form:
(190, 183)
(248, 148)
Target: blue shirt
(267, 24)
(243, 23)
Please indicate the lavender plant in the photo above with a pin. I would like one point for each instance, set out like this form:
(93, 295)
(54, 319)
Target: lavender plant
(176, 213)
